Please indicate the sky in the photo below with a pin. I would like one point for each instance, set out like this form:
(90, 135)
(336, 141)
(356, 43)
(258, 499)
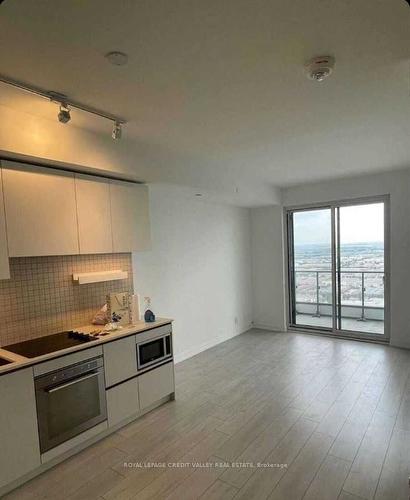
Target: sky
(358, 224)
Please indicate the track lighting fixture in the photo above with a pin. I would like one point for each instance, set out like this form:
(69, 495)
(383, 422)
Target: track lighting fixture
(64, 114)
(66, 104)
(116, 131)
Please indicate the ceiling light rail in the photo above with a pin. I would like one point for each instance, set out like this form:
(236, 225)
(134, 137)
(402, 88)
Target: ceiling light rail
(66, 104)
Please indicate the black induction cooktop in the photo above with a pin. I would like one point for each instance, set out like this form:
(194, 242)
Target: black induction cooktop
(50, 343)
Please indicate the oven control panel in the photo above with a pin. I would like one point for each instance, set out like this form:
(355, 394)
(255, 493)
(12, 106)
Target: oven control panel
(74, 371)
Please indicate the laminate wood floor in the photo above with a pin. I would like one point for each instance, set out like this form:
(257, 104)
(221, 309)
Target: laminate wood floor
(324, 419)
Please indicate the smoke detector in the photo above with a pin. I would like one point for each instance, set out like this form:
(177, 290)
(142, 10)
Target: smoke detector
(319, 68)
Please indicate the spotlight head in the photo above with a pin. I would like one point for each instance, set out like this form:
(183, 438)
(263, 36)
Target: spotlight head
(116, 131)
(64, 114)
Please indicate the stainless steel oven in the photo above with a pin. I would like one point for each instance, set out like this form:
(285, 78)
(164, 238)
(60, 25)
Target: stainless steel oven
(153, 348)
(70, 401)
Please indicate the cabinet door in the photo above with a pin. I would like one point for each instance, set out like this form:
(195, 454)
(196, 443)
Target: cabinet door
(20, 451)
(120, 360)
(94, 214)
(4, 253)
(122, 401)
(156, 384)
(130, 217)
(40, 211)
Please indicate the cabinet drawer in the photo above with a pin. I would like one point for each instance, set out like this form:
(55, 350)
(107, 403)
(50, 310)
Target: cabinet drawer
(122, 401)
(156, 384)
(120, 360)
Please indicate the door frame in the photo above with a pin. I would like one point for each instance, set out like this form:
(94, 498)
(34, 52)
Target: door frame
(288, 261)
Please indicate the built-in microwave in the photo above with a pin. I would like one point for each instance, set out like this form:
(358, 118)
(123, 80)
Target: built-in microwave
(153, 348)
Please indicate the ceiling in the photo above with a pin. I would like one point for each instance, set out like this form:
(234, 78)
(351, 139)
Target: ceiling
(215, 92)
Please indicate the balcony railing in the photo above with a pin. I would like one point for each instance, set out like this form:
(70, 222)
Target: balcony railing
(352, 308)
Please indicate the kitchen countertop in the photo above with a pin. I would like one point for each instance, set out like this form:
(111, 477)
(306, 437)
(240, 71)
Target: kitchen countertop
(22, 362)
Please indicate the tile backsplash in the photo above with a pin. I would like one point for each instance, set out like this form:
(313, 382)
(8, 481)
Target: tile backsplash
(42, 298)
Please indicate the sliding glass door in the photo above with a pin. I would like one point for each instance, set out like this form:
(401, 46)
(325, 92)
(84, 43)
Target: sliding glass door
(336, 268)
(360, 268)
(312, 268)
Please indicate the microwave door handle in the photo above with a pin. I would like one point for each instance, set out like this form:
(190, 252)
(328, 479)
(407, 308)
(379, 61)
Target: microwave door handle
(72, 382)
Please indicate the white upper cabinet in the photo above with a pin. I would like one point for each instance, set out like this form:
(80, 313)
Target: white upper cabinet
(130, 217)
(54, 212)
(41, 211)
(94, 214)
(4, 253)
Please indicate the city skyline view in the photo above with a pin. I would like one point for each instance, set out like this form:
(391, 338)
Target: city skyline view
(361, 255)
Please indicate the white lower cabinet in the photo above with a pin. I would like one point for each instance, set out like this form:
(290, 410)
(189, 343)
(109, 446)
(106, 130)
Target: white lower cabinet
(126, 399)
(122, 401)
(156, 384)
(120, 360)
(19, 446)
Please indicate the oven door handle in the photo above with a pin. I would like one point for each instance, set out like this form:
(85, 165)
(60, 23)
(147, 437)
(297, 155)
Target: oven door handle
(72, 382)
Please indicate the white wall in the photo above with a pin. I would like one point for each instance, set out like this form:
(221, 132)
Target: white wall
(199, 269)
(397, 185)
(267, 268)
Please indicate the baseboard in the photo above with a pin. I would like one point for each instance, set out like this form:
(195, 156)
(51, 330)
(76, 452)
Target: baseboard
(189, 353)
(273, 328)
(330, 335)
(401, 345)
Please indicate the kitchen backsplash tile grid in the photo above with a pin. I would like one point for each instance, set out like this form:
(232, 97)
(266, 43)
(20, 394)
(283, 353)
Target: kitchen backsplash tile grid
(42, 298)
